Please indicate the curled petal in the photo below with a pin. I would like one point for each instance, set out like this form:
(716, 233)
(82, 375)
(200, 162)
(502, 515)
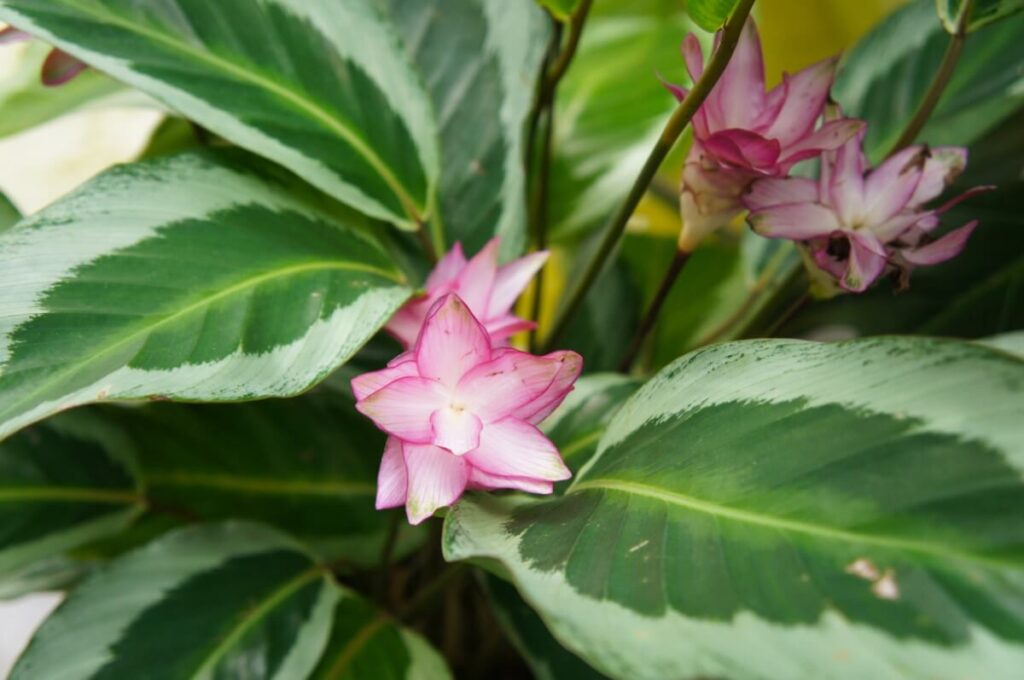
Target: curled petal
(945, 248)
(513, 448)
(794, 221)
(510, 381)
(772, 191)
(867, 261)
(436, 479)
(806, 92)
(60, 67)
(403, 408)
(392, 479)
(366, 384)
(451, 343)
(944, 164)
(511, 280)
(570, 365)
(743, 148)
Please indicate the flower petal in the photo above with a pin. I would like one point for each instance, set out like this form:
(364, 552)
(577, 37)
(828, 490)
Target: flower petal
(806, 92)
(447, 269)
(846, 180)
(772, 191)
(867, 261)
(511, 280)
(405, 324)
(481, 479)
(794, 221)
(513, 448)
(403, 408)
(392, 479)
(457, 430)
(505, 326)
(888, 187)
(743, 148)
(570, 366)
(693, 55)
(943, 166)
(451, 343)
(945, 248)
(508, 382)
(475, 283)
(10, 35)
(366, 384)
(436, 479)
(59, 67)
(739, 94)
(832, 135)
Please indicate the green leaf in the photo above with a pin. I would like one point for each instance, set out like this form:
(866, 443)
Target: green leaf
(52, 574)
(307, 466)
(883, 79)
(984, 12)
(560, 9)
(226, 601)
(604, 326)
(188, 277)
(710, 14)
(611, 108)
(547, 658)
(478, 60)
(366, 643)
(320, 87)
(26, 102)
(781, 509)
(9, 213)
(577, 425)
(63, 483)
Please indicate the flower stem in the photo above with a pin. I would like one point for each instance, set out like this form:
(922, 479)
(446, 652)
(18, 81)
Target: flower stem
(678, 262)
(559, 64)
(673, 128)
(938, 85)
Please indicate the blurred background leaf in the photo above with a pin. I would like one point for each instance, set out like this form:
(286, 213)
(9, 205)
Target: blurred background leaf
(984, 12)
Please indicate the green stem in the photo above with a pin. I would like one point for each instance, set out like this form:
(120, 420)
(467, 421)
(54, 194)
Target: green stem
(430, 592)
(678, 262)
(673, 128)
(938, 85)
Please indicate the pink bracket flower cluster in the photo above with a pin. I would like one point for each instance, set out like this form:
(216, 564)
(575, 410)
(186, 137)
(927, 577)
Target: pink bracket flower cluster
(460, 408)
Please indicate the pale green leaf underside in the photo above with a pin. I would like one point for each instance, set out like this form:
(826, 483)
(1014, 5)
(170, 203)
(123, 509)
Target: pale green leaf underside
(478, 60)
(320, 86)
(209, 601)
(710, 14)
(189, 277)
(780, 509)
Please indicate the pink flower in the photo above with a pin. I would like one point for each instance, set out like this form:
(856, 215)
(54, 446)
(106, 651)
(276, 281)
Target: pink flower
(461, 414)
(857, 224)
(58, 68)
(488, 290)
(743, 132)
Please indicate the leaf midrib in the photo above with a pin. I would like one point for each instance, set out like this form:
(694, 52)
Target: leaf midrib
(16, 407)
(67, 494)
(253, 615)
(333, 122)
(787, 525)
(257, 485)
(354, 645)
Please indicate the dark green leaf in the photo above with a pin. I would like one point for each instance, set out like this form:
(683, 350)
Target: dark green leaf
(710, 14)
(560, 9)
(9, 213)
(782, 509)
(983, 12)
(478, 60)
(188, 277)
(227, 601)
(63, 483)
(320, 87)
(883, 79)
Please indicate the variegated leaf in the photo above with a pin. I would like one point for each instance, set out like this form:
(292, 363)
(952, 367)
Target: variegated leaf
(781, 509)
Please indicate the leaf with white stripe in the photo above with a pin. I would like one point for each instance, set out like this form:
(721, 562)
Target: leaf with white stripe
(478, 60)
(320, 86)
(227, 601)
(190, 277)
(782, 509)
(63, 483)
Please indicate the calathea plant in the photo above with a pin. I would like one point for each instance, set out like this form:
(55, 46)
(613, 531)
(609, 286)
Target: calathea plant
(442, 339)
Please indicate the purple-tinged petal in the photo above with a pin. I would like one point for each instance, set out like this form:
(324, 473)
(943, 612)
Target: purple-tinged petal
(366, 384)
(511, 380)
(59, 67)
(452, 342)
(511, 280)
(773, 102)
(513, 448)
(945, 248)
(738, 96)
(943, 166)
(743, 148)
(867, 261)
(10, 35)
(896, 226)
(447, 269)
(504, 327)
(405, 324)
(457, 430)
(832, 135)
(693, 55)
(772, 191)
(481, 479)
(677, 91)
(973, 191)
(392, 479)
(570, 367)
(888, 187)
(846, 175)
(475, 283)
(806, 92)
(436, 479)
(403, 408)
(794, 221)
